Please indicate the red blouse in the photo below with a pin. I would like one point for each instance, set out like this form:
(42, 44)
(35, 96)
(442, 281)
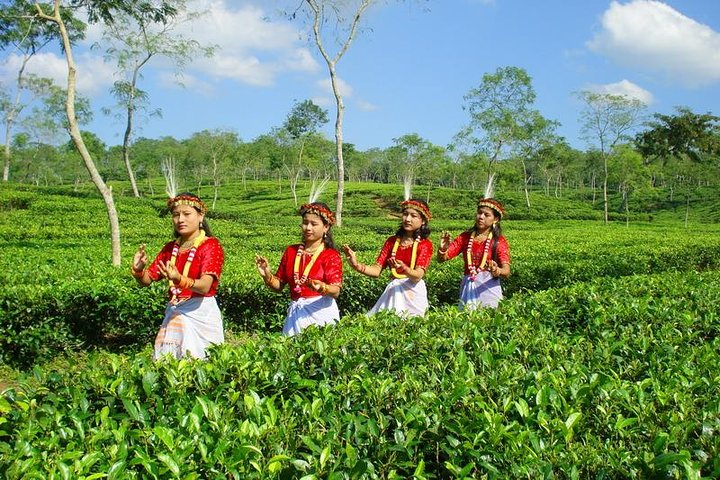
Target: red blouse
(327, 268)
(459, 247)
(424, 253)
(208, 260)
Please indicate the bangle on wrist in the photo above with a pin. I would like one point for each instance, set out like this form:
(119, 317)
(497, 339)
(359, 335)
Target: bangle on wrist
(185, 283)
(136, 273)
(269, 280)
(361, 267)
(443, 252)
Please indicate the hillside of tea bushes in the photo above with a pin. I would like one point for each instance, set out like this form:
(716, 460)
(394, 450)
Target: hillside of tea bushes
(603, 362)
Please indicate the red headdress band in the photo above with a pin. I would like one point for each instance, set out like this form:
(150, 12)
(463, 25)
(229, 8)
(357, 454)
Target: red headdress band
(420, 207)
(319, 210)
(190, 200)
(492, 204)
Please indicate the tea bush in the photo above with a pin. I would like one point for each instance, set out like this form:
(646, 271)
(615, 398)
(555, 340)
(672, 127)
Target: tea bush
(607, 379)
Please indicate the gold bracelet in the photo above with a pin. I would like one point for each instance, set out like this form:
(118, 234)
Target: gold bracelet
(323, 288)
(269, 281)
(136, 273)
(185, 283)
(440, 252)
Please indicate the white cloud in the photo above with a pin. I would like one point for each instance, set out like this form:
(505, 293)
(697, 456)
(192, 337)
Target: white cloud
(186, 81)
(650, 35)
(93, 75)
(250, 49)
(326, 98)
(366, 106)
(624, 88)
(345, 89)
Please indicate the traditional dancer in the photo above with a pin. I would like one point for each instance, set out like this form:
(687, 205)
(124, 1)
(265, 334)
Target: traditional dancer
(191, 264)
(312, 269)
(407, 254)
(486, 253)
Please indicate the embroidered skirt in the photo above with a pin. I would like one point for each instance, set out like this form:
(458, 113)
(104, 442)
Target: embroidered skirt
(404, 296)
(484, 291)
(306, 311)
(189, 328)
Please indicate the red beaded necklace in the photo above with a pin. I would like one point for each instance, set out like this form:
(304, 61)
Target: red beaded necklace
(175, 291)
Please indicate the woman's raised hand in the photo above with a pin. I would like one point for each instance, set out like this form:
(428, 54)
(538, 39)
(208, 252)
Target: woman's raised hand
(169, 271)
(140, 259)
(444, 240)
(350, 254)
(262, 266)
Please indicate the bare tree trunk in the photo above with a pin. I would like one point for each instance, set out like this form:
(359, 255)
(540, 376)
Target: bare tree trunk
(105, 191)
(605, 193)
(317, 9)
(126, 155)
(338, 146)
(525, 184)
(12, 114)
(6, 163)
(216, 179)
(626, 197)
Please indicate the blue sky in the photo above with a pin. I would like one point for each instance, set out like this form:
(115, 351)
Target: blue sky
(408, 70)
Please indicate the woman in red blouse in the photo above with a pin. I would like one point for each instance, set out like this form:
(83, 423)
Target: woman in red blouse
(407, 254)
(191, 264)
(311, 269)
(486, 254)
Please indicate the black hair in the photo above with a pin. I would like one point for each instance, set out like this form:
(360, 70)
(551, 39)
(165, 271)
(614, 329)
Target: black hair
(204, 224)
(327, 237)
(424, 231)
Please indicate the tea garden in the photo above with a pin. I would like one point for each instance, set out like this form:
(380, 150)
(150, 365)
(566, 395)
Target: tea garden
(603, 362)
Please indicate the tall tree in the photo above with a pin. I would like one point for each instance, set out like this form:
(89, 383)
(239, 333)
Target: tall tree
(302, 122)
(535, 135)
(134, 39)
(216, 149)
(606, 121)
(497, 110)
(97, 10)
(343, 18)
(628, 171)
(23, 34)
(686, 133)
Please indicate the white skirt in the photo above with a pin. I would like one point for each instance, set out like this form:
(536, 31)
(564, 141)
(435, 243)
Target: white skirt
(306, 311)
(406, 297)
(189, 328)
(484, 291)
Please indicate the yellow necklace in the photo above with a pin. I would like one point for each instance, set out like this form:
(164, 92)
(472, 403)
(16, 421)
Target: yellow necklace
(413, 257)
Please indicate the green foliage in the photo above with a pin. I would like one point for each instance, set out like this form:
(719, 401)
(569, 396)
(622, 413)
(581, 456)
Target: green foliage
(608, 379)
(601, 363)
(61, 294)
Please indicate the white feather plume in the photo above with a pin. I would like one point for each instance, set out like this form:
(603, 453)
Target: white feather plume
(167, 167)
(407, 183)
(317, 189)
(490, 188)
